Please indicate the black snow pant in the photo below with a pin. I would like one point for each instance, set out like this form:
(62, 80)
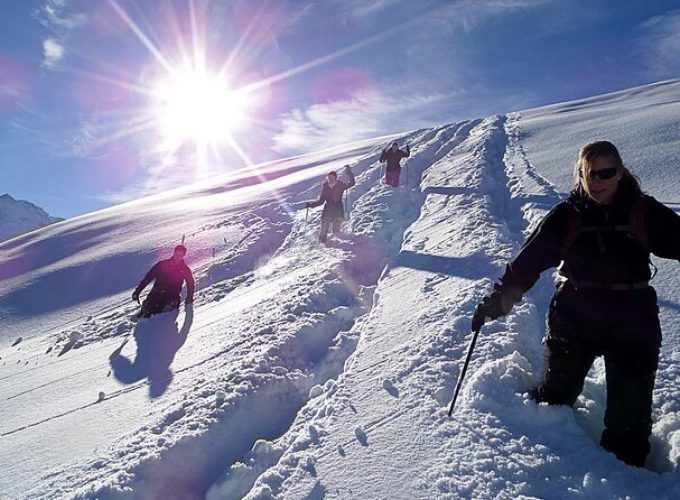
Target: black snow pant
(623, 327)
(158, 301)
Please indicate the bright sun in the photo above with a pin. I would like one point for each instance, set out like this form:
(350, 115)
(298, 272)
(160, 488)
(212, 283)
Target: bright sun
(196, 106)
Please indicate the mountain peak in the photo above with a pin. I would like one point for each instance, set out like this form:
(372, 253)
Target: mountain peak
(19, 216)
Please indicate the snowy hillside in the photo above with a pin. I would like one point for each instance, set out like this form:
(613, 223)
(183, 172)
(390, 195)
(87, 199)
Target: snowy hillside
(18, 216)
(308, 371)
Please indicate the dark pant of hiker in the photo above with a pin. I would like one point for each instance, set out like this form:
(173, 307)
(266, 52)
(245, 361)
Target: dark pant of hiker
(326, 224)
(158, 301)
(392, 177)
(623, 327)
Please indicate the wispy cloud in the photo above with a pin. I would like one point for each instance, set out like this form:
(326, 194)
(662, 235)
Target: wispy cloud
(448, 16)
(660, 45)
(364, 115)
(55, 14)
(59, 19)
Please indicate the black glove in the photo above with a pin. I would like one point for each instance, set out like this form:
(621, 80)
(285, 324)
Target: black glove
(135, 296)
(189, 301)
(478, 318)
(408, 148)
(492, 306)
(307, 204)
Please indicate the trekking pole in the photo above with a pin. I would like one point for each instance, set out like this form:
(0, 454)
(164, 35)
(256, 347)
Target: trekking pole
(346, 205)
(462, 373)
(306, 215)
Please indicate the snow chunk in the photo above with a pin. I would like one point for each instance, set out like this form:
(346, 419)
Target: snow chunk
(75, 336)
(220, 396)
(262, 449)
(315, 391)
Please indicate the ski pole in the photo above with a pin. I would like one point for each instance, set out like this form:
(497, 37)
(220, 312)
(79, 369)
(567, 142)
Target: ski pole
(346, 206)
(306, 215)
(462, 373)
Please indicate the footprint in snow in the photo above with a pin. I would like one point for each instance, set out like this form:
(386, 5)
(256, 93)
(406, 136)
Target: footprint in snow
(313, 433)
(361, 435)
(389, 387)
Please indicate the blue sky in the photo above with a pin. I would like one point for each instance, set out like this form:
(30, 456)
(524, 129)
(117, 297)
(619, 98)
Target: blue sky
(84, 124)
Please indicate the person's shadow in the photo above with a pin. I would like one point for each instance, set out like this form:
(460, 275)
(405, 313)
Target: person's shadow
(158, 340)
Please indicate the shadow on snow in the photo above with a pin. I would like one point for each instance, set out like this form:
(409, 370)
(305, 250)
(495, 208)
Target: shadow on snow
(158, 340)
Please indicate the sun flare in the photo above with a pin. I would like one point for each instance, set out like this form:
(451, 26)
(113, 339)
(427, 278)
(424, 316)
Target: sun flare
(197, 106)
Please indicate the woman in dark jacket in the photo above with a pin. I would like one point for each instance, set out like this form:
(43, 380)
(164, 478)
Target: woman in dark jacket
(331, 197)
(601, 238)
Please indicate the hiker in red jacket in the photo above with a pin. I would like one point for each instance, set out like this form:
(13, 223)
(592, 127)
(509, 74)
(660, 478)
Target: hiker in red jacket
(169, 275)
(331, 197)
(393, 157)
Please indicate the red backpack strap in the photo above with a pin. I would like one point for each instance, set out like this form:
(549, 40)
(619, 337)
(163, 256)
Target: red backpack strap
(573, 227)
(637, 220)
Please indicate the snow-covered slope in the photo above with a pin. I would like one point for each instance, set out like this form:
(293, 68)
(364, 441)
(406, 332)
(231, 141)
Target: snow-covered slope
(307, 371)
(18, 216)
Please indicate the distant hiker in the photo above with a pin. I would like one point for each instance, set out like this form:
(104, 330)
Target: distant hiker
(169, 275)
(601, 238)
(393, 157)
(331, 194)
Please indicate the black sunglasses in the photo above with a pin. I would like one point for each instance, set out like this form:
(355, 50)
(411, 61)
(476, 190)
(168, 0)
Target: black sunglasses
(604, 174)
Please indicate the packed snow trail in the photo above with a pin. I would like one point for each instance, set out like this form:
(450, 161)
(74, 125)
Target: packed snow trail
(311, 297)
(228, 337)
(386, 414)
(391, 391)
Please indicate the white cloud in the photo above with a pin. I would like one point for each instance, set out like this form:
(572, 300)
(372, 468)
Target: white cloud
(53, 52)
(56, 16)
(660, 45)
(365, 115)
